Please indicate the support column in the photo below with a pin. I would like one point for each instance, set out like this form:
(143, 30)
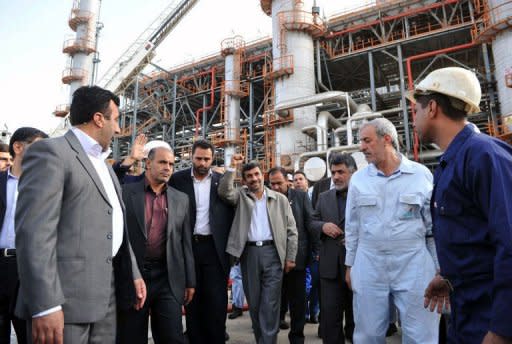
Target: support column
(372, 81)
(404, 102)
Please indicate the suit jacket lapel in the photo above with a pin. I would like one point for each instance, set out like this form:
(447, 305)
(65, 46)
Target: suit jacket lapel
(190, 191)
(3, 190)
(86, 163)
(172, 203)
(138, 198)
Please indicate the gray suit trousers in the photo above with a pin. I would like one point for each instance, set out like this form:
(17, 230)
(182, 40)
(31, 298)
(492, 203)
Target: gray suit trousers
(262, 276)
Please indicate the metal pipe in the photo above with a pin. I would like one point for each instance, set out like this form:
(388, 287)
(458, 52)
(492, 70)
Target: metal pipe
(304, 155)
(372, 81)
(135, 107)
(212, 101)
(411, 83)
(358, 117)
(319, 67)
(404, 102)
(321, 136)
(325, 97)
(346, 149)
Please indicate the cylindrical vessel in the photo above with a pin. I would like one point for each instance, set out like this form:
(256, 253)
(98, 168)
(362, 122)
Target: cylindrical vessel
(292, 47)
(500, 10)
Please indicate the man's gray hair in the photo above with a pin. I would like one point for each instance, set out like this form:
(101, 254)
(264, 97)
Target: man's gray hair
(383, 126)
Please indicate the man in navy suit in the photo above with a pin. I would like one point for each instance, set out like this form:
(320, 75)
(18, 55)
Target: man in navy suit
(20, 141)
(210, 219)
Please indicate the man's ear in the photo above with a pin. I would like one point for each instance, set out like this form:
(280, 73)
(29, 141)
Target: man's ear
(98, 119)
(18, 147)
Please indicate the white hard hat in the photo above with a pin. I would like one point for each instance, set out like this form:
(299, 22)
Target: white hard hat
(461, 85)
(155, 144)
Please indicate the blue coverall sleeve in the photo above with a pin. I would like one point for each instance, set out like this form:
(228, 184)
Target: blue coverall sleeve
(490, 176)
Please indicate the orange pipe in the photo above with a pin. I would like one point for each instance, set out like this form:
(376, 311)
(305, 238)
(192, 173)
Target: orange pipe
(411, 84)
(212, 101)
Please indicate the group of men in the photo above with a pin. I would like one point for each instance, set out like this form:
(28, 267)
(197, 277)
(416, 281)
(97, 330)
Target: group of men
(97, 260)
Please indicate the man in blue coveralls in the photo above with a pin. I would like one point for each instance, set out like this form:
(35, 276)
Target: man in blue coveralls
(471, 210)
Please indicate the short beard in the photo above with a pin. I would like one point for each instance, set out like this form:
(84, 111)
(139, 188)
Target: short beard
(202, 171)
(340, 187)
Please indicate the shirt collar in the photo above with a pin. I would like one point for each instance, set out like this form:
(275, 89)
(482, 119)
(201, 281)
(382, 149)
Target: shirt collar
(10, 175)
(456, 143)
(194, 177)
(90, 145)
(405, 166)
(147, 186)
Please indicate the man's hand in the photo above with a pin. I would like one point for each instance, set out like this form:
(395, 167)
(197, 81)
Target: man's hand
(347, 277)
(288, 266)
(140, 291)
(493, 338)
(189, 295)
(236, 160)
(137, 151)
(48, 329)
(437, 294)
(331, 230)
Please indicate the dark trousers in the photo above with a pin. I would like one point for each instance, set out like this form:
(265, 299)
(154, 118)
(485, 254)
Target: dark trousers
(206, 314)
(294, 291)
(8, 293)
(164, 308)
(471, 312)
(335, 301)
(312, 298)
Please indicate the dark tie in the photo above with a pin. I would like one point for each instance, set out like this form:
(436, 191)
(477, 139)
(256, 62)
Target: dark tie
(340, 198)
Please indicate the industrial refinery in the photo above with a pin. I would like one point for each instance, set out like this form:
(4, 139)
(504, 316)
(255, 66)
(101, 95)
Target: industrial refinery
(303, 93)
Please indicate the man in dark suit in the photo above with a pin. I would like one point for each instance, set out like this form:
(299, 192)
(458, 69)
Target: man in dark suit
(20, 141)
(294, 282)
(329, 221)
(210, 220)
(159, 229)
(75, 262)
(321, 186)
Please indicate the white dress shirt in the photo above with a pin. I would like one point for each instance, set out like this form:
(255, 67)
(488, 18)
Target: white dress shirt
(202, 197)
(260, 224)
(97, 157)
(7, 234)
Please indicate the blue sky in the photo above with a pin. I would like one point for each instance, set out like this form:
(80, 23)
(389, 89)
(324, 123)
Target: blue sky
(32, 34)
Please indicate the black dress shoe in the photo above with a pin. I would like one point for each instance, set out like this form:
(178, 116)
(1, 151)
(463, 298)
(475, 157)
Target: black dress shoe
(283, 325)
(226, 336)
(235, 313)
(391, 330)
(313, 319)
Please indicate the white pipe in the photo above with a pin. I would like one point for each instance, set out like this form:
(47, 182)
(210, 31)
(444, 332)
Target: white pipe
(358, 117)
(346, 149)
(320, 154)
(325, 97)
(321, 136)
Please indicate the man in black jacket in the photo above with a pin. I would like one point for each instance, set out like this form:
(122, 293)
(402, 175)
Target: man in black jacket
(158, 225)
(210, 220)
(329, 222)
(294, 283)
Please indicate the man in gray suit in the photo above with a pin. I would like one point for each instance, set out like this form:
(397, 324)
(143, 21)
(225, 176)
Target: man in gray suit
(264, 237)
(159, 228)
(329, 222)
(74, 258)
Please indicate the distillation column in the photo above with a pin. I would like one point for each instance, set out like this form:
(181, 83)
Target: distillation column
(293, 28)
(232, 49)
(80, 48)
(501, 21)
